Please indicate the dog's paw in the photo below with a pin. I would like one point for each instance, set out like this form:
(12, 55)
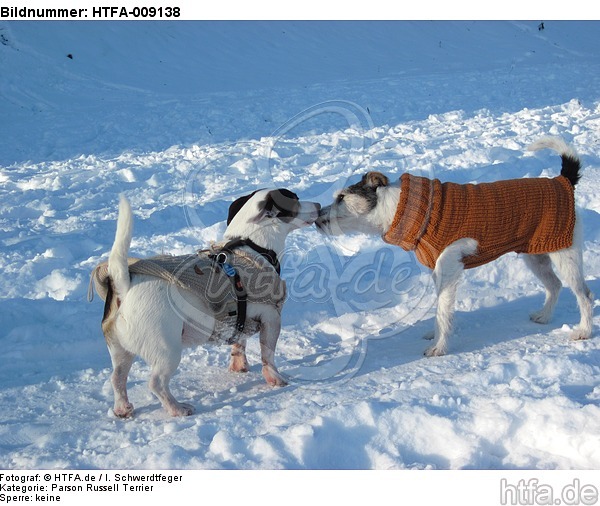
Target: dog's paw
(238, 364)
(124, 410)
(539, 317)
(273, 377)
(182, 409)
(580, 335)
(429, 336)
(435, 351)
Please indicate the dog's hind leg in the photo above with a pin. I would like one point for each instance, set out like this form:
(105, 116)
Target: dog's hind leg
(541, 266)
(568, 263)
(164, 363)
(446, 275)
(164, 360)
(159, 384)
(152, 326)
(121, 361)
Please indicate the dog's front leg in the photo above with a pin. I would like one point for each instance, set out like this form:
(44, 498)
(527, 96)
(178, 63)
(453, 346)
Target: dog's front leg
(447, 274)
(270, 327)
(239, 362)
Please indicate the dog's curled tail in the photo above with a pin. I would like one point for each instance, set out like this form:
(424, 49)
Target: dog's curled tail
(118, 269)
(571, 164)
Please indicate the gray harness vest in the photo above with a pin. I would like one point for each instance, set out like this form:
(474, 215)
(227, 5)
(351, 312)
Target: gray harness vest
(219, 276)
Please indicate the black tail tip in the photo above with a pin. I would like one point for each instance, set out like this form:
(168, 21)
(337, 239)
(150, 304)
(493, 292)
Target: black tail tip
(570, 168)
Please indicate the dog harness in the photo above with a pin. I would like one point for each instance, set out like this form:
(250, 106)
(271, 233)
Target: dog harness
(224, 276)
(221, 259)
(533, 216)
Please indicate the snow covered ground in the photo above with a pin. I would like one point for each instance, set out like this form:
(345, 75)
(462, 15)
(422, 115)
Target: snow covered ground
(185, 117)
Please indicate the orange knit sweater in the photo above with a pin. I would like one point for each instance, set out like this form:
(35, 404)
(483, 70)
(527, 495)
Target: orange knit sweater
(533, 216)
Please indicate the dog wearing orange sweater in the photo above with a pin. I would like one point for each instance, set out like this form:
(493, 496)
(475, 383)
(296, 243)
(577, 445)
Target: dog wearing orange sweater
(452, 227)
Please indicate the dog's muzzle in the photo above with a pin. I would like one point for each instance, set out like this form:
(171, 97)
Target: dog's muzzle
(322, 221)
(309, 212)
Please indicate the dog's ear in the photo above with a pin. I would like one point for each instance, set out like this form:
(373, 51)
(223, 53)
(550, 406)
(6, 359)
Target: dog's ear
(281, 203)
(237, 205)
(287, 203)
(375, 179)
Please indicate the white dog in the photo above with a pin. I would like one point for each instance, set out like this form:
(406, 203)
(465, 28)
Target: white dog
(452, 227)
(153, 308)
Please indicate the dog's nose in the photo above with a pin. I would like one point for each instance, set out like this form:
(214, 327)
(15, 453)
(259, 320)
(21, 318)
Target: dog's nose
(315, 213)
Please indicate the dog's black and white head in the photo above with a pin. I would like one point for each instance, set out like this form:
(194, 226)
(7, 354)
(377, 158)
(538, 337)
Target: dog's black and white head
(268, 216)
(365, 207)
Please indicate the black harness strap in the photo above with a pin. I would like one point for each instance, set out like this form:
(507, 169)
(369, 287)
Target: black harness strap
(242, 302)
(268, 254)
(240, 292)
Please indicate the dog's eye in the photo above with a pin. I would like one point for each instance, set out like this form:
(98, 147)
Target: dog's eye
(339, 199)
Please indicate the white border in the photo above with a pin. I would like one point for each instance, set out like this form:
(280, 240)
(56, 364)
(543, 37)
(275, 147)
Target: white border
(348, 488)
(535, 10)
